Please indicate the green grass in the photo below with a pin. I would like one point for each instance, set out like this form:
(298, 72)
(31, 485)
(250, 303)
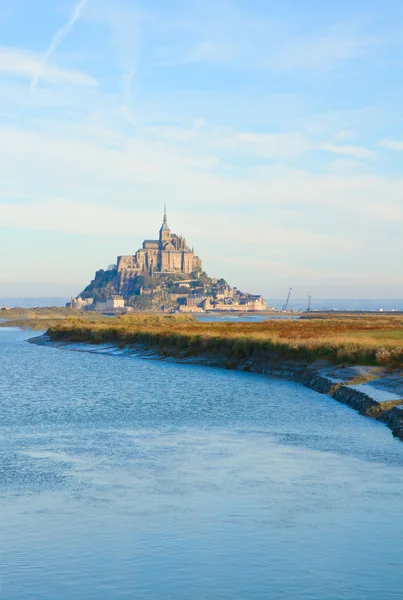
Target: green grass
(381, 336)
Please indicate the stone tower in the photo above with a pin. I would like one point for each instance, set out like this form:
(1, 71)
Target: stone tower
(165, 232)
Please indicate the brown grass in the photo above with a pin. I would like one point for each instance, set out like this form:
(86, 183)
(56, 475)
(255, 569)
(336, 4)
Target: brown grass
(43, 318)
(359, 340)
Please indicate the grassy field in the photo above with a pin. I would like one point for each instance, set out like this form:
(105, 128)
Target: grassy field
(365, 339)
(42, 318)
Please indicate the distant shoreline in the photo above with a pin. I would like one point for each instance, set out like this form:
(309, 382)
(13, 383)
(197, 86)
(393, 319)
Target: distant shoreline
(339, 305)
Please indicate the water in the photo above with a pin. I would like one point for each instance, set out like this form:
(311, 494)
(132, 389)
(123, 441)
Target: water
(295, 303)
(33, 302)
(125, 478)
(349, 304)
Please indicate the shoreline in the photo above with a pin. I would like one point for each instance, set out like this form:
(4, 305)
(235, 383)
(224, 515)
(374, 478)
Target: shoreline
(374, 392)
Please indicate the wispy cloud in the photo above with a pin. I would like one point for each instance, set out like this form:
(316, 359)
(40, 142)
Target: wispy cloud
(356, 151)
(392, 144)
(253, 44)
(126, 110)
(321, 51)
(123, 21)
(56, 41)
(15, 61)
(255, 114)
(210, 52)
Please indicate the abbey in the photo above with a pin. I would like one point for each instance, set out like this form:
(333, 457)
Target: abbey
(164, 275)
(168, 254)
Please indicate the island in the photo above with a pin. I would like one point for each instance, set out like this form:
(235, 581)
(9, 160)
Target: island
(163, 275)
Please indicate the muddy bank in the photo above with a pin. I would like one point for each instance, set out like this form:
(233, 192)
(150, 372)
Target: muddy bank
(372, 391)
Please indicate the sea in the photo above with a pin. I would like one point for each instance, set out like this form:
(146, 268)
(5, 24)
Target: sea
(295, 304)
(130, 478)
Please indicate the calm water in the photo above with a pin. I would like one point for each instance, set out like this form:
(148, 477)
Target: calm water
(295, 303)
(124, 478)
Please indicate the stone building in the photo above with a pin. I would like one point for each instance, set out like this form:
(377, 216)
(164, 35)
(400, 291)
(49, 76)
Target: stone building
(81, 303)
(110, 304)
(168, 254)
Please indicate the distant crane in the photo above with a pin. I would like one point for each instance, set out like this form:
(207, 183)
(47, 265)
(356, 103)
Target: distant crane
(285, 305)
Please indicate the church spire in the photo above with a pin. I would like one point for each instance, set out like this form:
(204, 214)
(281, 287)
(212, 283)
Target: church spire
(165, 226)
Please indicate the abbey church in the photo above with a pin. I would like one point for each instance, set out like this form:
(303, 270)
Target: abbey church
(168, 254)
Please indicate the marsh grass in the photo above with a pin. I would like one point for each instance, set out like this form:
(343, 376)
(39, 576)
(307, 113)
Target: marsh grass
(42, 318)
(359, 340)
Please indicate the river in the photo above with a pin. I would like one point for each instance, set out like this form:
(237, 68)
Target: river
(129, 478)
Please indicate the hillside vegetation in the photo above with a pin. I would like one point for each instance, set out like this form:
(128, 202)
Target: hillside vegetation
(354, 340)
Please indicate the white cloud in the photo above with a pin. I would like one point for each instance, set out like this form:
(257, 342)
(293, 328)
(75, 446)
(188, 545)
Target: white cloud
(93, 168)
(321, 51)
(209, 51)
(267, 145)
(277, 216)
(356, 151)
(343, 166)
(254, 145)
(345, 134)
(22, 63)
(244, 143)
(241, 40)
(392, 144)
(285, 189)
(66, 215)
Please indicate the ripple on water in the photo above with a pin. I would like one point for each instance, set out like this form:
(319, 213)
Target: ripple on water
(125, 478)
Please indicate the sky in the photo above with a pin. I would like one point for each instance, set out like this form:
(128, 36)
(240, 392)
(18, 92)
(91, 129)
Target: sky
(272, 130)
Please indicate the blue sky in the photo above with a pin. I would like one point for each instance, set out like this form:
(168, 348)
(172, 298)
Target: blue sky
(273, 131)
